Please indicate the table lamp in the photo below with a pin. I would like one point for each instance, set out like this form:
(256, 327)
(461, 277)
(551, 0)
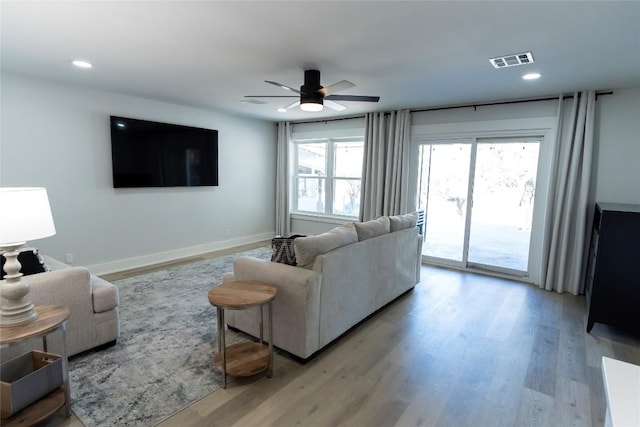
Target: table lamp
(24, 215)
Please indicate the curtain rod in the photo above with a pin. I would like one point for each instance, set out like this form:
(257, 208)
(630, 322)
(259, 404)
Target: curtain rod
(474, 106)
(517, 101)
(329, 120)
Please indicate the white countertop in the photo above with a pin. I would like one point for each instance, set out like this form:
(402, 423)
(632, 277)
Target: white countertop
(622, 389)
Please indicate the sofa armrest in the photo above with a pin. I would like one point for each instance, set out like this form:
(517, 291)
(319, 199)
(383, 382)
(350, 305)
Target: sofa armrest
(105, 295)
(228, 277)
(58, 287)
(68, 288)
(296, 308)
(250, 268)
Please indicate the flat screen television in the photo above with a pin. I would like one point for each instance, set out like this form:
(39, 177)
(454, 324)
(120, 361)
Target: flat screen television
(152, 154)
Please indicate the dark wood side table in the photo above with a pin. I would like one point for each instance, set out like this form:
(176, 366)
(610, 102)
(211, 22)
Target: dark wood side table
(50, 319)
(244, 359)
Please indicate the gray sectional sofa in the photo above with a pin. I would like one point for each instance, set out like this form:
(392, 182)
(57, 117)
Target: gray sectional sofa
(342, 277)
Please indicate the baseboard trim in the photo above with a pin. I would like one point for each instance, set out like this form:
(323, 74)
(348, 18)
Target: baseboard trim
(150, 260)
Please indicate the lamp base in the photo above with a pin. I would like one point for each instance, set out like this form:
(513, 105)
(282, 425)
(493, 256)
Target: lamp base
(10, 317)
(15, 309)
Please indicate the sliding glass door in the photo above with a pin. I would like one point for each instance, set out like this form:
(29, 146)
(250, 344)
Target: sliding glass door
(442, 193)
(478, 195)
(503, 196)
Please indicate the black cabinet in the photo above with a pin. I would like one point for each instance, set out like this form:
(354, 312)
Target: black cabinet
(613, 274)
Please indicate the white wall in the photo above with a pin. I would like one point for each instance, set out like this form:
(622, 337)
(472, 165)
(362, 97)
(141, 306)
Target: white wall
(58, 136)
(486, 113)
(618, 148)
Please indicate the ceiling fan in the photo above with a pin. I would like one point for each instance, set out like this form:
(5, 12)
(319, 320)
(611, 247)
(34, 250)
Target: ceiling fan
(313, 96)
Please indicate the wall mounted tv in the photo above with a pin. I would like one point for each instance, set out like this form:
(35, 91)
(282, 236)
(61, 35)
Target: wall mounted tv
(152, 154)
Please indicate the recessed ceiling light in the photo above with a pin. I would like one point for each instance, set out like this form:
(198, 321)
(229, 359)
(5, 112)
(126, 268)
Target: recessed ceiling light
(531, 76)
(81, 64)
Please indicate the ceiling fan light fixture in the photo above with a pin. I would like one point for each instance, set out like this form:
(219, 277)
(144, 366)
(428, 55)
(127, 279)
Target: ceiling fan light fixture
(312, 106)
(313, 94)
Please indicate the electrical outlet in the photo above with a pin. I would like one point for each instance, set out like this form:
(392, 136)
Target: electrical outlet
(68, 258)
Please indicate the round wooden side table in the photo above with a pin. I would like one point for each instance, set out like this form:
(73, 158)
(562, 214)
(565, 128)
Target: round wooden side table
(50, 319)
(249, 358)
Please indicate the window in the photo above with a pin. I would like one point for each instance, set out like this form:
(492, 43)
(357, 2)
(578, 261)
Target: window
(328, 176)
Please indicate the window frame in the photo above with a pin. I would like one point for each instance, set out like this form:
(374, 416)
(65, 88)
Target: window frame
(329, 179)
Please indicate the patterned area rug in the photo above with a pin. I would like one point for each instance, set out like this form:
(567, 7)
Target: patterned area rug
(163, 360)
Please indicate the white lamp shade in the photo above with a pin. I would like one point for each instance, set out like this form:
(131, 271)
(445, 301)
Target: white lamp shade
(25, 215)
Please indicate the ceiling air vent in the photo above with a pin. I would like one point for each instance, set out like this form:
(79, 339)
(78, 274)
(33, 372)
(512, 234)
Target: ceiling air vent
(512, 60)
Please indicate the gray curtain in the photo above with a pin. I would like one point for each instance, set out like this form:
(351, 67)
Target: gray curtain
(283, 220)
(385, 174)
(566, 230)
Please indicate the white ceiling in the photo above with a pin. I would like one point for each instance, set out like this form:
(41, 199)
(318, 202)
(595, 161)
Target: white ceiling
(209, 54)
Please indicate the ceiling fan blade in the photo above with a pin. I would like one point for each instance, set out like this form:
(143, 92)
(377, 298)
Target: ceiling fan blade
(353, 98)
(334, 105)
(271, 96)
(290, 106)
(336, 87)
(284, 86)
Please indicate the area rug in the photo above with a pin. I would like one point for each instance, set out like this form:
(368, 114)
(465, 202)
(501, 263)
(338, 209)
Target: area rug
(163, 360)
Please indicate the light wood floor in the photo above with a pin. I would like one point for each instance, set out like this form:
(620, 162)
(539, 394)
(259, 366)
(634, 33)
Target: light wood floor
(459, 350)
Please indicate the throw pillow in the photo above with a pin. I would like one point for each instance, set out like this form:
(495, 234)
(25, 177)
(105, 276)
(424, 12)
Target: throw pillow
(307, 248)
(282, 249)
(373, 228)
(400, 222)
(31, 262)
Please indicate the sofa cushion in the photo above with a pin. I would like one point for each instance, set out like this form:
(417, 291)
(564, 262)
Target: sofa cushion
(373, 228)
(400, 222)
(307, 248)
(30, 262)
